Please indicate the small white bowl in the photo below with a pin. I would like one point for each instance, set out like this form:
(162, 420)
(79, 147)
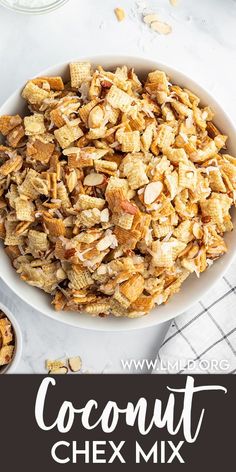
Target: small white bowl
(10, 368)
(193, 288)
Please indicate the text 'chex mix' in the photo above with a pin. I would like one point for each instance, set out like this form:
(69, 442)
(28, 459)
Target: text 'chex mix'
(113, 190)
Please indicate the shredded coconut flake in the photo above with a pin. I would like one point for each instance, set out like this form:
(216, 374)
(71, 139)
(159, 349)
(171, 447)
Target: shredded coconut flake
(209, 262)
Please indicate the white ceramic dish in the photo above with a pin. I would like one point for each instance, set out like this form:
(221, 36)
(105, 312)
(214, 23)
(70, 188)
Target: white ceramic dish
(10, 368)
(193, 289)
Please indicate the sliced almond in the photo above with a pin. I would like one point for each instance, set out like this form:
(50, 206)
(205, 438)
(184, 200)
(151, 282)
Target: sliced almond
(96, 117)
(75, 364)
(148, 19)
(93, 179)
(152, 191)
(161, 27)
(197, 231)
(106, 242)
(128, 207)
(72, 180)
(61, 370)
(71, 150)
(104, 215)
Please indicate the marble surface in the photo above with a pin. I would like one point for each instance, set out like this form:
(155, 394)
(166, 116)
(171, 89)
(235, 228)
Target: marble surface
(202, 45)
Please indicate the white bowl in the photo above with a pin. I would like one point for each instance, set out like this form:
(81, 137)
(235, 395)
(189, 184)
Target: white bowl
(10, 368)
(193, 289)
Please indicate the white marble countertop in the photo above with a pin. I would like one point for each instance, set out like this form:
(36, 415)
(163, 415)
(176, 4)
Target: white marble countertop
(202, 45)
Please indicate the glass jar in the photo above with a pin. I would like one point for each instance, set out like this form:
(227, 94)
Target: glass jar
(49, 5)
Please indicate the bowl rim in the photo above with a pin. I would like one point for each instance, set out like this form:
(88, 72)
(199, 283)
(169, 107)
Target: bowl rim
(129, 324)
(35, 10)
(10, 368)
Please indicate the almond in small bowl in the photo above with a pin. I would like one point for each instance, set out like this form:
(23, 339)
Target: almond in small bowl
(10, 341)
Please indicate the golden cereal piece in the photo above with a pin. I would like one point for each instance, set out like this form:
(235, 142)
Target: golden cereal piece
(143, 303)
(24, 209)
(14, 138)
(187, 176)
(120, 14)
(79, 277)
(40, 151)
(135, 171)
(117, 309)
(124, 220)
(2, 230)
(67, 135)
(11, 238)
(38, 241)
(105, 166)
(160, 231)
(13, 252)
(56, 117)
(121, 299)
(147, 137)
(159, 78)
(98, 308)
(34, 94)
(79, 72)
(184, 232)
(8, 123)
(12, 165)
(130, 141)
(117, 98)
(55, 83)
(22, 228)
(85, 202)
(55, 226)
(176, 155)
(40, 185)
(89, 218)
(127, 238)
(59, 301)
(53, 184)
(86, 109)
(115, 198)
(34, 124)
(53, 366)
(162, 254)
(165, 136)
(27, 188)
(62, 195)
(216, 181)
(133, 288)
